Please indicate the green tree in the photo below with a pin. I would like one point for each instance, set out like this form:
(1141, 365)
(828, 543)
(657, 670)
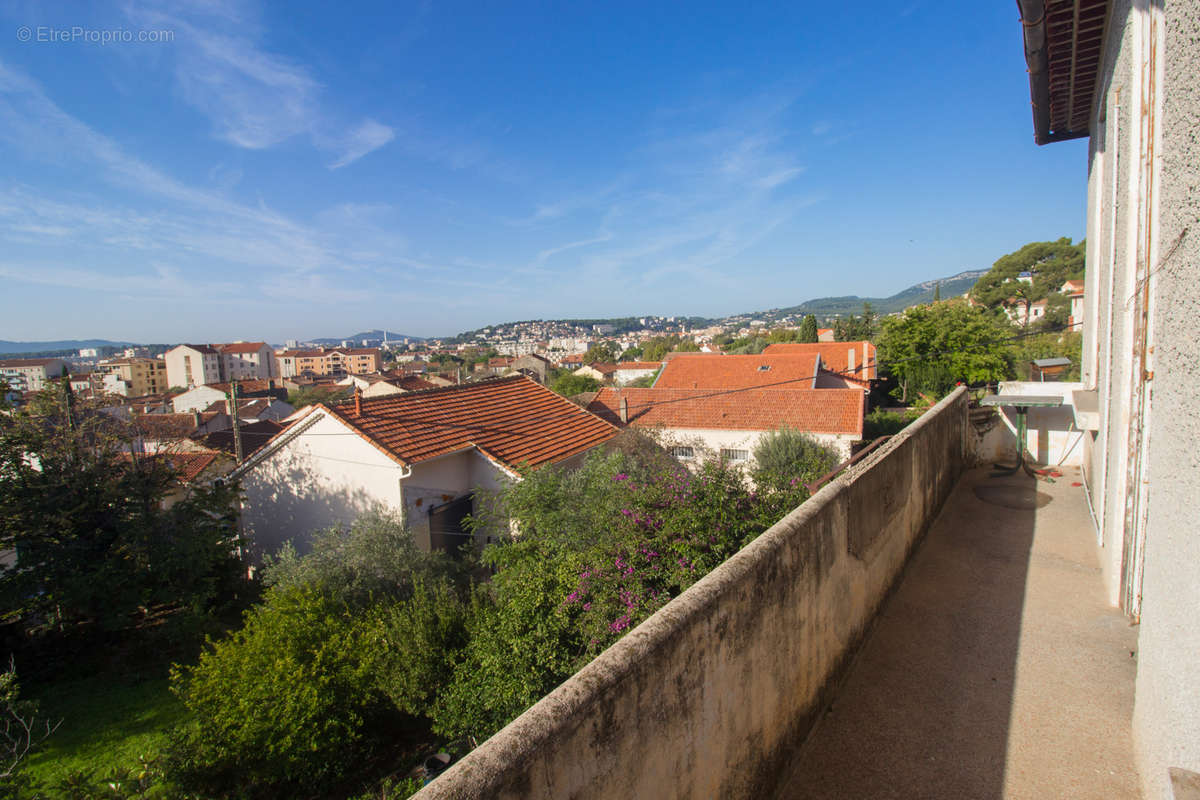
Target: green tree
(856, 328)
(601, 353)
(687, 346)
(569, 384)
(930, 348)
(87, 521)
(1051, 265)
(310, 395)
(634, 353)
(808, 330)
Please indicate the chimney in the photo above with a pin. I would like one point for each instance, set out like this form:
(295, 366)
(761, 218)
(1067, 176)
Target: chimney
(850, 362)
(866, 370)
(624, 410)
(357, 402)
(196, 417)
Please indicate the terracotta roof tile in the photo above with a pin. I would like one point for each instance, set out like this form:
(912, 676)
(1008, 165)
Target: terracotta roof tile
(169, 426)
(513, 419)
(833, 411)
(254, 436)
(240, 347)
(833, 354)
(715, 371)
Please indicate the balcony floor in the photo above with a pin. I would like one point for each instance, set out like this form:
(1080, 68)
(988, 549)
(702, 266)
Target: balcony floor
(997, 669)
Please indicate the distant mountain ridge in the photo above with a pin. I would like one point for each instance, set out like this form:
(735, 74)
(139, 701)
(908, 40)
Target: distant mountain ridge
(357, 338)
(64, 344)
(916, 294)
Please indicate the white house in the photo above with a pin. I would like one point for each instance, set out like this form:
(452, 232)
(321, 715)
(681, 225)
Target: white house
(731, 423)
(422, 454)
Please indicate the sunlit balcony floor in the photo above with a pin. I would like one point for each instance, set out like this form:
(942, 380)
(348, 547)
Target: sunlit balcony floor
(997, 669)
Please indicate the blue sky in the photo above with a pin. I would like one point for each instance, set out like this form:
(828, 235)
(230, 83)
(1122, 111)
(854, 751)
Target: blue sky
(301, 170)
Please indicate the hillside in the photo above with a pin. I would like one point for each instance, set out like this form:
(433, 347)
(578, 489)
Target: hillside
(63, 345)
(376, 334)
(914, 295)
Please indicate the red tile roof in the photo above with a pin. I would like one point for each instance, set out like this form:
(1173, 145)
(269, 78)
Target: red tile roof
(513, 420)
(834, 411)
(833, 355)
(169, 426)
(28, 362)
(186, 466)
(240, 347)
(715, 371)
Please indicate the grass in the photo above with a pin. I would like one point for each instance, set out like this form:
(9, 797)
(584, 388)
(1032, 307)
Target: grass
(107, 724)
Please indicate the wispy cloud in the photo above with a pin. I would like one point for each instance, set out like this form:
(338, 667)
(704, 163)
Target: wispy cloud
(366, 138)
(255, 98)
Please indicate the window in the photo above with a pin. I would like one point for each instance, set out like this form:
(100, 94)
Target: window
(683, 452)
(735, 455)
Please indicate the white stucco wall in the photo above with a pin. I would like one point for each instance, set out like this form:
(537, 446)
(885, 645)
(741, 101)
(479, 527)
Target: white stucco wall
(443, 479)
(327, 475)
(197, 399)
(715, 440)
(624, 377)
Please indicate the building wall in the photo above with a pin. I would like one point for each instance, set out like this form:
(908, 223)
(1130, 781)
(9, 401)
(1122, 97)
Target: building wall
(710, 695)
(715, 440)
(325, 476)
(624, 377)
(1141, 469)
(1167, 702)
(205, 367)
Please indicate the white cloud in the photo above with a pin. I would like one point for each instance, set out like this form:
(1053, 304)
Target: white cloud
(366, 138)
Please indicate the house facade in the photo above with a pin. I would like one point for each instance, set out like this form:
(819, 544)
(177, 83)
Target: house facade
(420, 454)
(329, 362)
(1124, 74)
(699, 422)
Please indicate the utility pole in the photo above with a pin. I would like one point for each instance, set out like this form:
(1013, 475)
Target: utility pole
(237, 428)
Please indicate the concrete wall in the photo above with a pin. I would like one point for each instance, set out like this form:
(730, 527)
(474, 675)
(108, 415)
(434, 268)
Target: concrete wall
(709, 696)
(1167, 704)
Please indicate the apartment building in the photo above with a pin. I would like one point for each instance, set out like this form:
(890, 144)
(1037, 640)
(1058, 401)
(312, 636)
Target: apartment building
(132, 377)
(191, 365)
(335, 361)
(30, 374)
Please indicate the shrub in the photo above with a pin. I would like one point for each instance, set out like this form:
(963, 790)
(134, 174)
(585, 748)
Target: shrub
(787, 458)
(417, 643)
(281, 706)
(886, 423)
(376, 558)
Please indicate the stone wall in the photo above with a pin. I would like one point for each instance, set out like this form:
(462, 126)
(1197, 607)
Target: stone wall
(708, 697)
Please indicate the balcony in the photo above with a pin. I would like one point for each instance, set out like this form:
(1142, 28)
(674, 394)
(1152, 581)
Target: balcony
(996, 669)
(916, 629)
